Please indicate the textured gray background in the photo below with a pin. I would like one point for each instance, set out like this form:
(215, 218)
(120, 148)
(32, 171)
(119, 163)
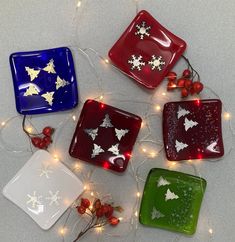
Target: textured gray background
(208, 28)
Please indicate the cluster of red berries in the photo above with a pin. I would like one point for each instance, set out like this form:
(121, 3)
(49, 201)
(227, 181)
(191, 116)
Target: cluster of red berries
(99, 210)
(185, 83)
(43, 140)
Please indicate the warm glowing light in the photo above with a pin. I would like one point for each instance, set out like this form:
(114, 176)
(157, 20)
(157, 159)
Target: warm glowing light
(163, 94)
(79, 4)
(102, 105)
(173, 163)
(92, 194)
(138, 194)
(198, 102)
(77, 166)
(29, 129)
(99, 229)
(210, 231)
(120, 219)
(152, 154)
(101, 97)
(189, 161)
(85, 187)
(142, 124)
(106, 165)
(144, 150)
(136, 213)
(74, 118)
(3, 123)
(227, 116)
(91, 207)
(56, 158)
(106, 61)
(158, 107)
(62, 231)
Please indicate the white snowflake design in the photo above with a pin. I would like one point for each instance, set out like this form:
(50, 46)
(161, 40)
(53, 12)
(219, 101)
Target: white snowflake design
(106, 122)
(96, 150)
(45, 171)
(34, 199)
(53, 198)
(156, 62)
(92, 133)
(114, 149)
(142, 30)
(155, 214)
(136, 62)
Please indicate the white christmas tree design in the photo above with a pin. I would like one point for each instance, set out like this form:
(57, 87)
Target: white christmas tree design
(121, 133)
(54, 198)
(136, 62)
(106, 122)
(142, 30)
(114, 149)
(156, 62)
(92, 133)
(170, 195)
(48, 97)
(162, 182)
(189, 124)
(212, 147)
(96, 150)
(155, 214)
(182, 112)
(50, 68)
(32, 73)
(31, 90)
(60, 83)
(180, 146)
(34, 199)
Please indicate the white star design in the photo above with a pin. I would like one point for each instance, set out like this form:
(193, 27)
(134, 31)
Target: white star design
(34, 199)
(53, 198)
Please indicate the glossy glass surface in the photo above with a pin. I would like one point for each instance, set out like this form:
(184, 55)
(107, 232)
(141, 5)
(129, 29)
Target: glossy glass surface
(192, 129)
(172, 200)
(147, 38)
(44, 81)
(43, 188)
(105, 136)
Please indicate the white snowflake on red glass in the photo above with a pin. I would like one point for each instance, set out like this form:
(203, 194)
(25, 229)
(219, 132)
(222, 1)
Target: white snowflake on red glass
(156, 62)
(136, 62)
(142, 30)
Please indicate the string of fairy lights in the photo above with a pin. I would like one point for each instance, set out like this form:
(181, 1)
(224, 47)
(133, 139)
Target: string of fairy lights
(154, 109)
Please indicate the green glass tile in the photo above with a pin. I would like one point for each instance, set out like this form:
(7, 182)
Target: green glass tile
(172, 200)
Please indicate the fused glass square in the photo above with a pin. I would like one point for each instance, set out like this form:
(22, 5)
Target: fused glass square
(147, 51)
(192, 130)
(44, 81)
(172, 200)
(105, 136)
(43, 188)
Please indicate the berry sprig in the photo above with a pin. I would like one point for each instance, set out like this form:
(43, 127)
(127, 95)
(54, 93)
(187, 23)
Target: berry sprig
(39, 140)
(100, 214)
(186, 81)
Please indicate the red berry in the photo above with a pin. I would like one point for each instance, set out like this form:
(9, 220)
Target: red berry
(192, 92)
(184, 92)
(85, 203)
(109, 213)
(171, 76)
(114, 221)
(171, 86)
(35, 141)
(47, 140)
(42, 145)
(180, 82)
(81, 209)
(198, 87)
(48, 131)
(188, 84)
(99, 212)
(97, 204)
(186, 73)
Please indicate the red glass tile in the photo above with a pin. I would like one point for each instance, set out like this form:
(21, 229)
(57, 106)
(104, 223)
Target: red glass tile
(105, 136)
(192, 129)
(146, 51)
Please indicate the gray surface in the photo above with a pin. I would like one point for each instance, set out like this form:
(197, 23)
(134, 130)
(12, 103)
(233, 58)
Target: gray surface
(208, 28)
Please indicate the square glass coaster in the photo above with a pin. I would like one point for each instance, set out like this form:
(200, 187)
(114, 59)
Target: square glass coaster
(44, 188)
(172, 201)
(105, 136)
(192, 129)
(146, 51)
(44, 81)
